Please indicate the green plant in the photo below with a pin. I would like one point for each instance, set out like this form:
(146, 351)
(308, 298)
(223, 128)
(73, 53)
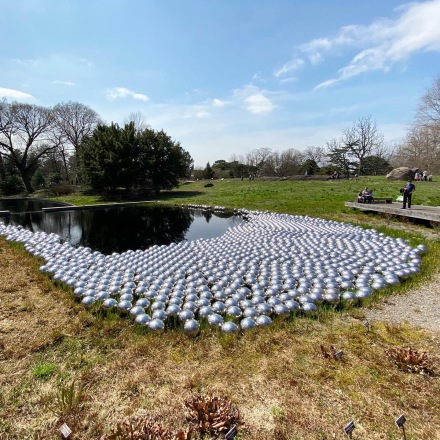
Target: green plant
(69, 397)
(43, 371)
(410, 360)
(211, 413)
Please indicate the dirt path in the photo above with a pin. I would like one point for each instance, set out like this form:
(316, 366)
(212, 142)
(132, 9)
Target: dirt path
(421, 307)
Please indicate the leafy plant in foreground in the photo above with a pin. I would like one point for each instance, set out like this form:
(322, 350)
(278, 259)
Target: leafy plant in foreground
(212, 414)
(410, 360)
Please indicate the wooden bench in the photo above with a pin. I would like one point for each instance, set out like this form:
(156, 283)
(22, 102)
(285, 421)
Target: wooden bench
(382, 200)
(378, 200)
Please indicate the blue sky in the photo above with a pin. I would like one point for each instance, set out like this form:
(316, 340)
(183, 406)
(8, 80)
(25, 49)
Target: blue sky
(224, 77)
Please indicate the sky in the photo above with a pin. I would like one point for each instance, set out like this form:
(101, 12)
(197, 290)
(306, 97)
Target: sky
(225, 77)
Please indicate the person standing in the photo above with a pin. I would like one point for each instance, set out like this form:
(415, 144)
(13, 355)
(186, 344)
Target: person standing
(407, 193)
(425, 176)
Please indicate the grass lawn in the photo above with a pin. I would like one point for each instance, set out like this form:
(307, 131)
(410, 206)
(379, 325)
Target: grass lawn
(61, 363)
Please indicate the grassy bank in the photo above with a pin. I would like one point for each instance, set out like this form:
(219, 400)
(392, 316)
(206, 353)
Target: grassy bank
(61, 363)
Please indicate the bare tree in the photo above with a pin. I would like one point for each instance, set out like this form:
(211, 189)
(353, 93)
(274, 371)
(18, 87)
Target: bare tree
(25, 136)
(139, 120)
(257, 158)
(315, 153)
(74, 123)
(362, 139)
(428, 112)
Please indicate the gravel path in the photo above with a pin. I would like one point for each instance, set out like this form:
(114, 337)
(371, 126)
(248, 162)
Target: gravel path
(421, 308)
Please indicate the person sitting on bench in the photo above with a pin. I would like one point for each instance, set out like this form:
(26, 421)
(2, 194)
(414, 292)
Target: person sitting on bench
(365, 196)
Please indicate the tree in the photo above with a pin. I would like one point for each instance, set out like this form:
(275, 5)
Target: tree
(163, 160)
(208, 172)
(375, 165)
(74, 123)
(315, 154)
(25, 131)
(110, 157)
(310, 166)
(338, 155)
(362, 139)
(139, 120)
(428, 111)
(256, 159)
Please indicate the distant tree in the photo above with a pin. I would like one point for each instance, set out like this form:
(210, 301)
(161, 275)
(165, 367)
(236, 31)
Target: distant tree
(139, 120)
(256, 159)
(163, 160)
(25, 136)
(428, 111)
(74, 123)
(310, 166)
(375, 165)
(339, 156)
(316, 154)
(362, 139)
(208, 172)
(109, 157)
(38, 180)
(421, 146)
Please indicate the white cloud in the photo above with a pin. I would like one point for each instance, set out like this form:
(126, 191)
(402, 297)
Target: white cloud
(14, 94)
(291, 66)
(258, 104)
(218, 103)
(64, 83)
(254, 100)
(122, 92)
(384, 42)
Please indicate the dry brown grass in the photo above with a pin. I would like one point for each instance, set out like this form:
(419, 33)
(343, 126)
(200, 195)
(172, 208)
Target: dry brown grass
(277, 377)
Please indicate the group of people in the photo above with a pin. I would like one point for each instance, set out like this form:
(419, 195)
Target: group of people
(365, 196)
(418, 176)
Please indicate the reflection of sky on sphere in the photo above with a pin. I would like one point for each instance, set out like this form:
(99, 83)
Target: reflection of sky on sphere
(271, 265)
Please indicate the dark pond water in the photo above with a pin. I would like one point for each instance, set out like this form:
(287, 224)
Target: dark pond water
(26, 205)
(120, 229)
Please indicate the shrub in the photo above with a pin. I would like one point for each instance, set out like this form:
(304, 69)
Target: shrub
(60, 189)
(11, 185)
(410, 360)
(211, 414)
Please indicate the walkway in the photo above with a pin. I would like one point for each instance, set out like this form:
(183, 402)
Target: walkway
(430, 213)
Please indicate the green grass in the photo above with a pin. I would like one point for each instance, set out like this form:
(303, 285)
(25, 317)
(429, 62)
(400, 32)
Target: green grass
(302, 197)
(43, 371)
(106, 368)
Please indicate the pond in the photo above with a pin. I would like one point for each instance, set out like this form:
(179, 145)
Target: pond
(27, 205)
(120, 229)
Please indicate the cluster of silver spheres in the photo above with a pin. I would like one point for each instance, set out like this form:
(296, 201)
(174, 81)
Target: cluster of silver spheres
(272, 264)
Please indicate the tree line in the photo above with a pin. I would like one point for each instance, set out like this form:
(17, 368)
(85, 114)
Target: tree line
(69, 142)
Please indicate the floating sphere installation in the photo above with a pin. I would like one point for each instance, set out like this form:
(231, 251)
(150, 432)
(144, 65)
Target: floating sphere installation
(271, 265)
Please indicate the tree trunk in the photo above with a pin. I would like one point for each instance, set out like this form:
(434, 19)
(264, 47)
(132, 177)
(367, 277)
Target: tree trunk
(26, 180)
(2, 169)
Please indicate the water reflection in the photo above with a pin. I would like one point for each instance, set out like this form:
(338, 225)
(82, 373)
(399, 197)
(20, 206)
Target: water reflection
(119, 229)
(26, 205)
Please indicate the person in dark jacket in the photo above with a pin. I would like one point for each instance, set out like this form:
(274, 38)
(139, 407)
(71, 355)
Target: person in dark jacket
(408, 189)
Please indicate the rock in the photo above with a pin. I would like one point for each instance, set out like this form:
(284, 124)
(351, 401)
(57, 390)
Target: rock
(401, 173)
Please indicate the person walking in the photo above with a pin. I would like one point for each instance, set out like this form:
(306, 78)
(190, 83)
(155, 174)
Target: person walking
(407, 194)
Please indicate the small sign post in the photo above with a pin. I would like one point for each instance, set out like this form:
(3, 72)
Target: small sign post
(232, 433)
(367, 325)
(338, 355)
(65, 431)
(349, 428)
(400, 422)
